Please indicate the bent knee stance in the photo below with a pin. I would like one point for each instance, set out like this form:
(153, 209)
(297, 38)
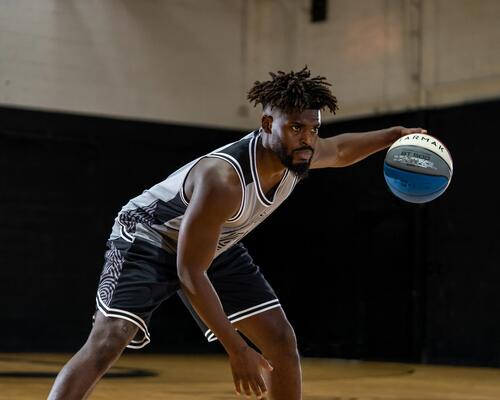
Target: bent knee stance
(284, 343)
(108, 339)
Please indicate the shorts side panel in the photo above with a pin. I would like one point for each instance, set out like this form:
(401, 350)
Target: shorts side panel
(137, 277)
(241, 287)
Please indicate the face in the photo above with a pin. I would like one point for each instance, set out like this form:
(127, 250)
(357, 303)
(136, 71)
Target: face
(293, 137)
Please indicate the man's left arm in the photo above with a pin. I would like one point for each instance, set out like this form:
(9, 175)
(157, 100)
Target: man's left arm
(349, 148)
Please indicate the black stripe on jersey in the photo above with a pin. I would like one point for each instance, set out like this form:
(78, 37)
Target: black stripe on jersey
(129, 219)
(253, 164)
(123, 232)
(239, 151)
(292, 186)
(283, 179)
(182, 194)
(260, 194)
(168, 210)
(239, 171)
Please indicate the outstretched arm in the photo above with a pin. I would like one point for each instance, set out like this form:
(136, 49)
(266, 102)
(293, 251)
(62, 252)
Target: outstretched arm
(349, 148)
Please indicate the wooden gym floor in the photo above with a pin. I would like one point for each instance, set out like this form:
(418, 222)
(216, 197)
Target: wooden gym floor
(145, 376)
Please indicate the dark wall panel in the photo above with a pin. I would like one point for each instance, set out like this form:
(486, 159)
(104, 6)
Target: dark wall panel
(63, 179)
(360, 273)
(463, 242)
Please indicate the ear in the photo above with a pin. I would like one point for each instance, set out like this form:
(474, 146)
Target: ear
(267, 123)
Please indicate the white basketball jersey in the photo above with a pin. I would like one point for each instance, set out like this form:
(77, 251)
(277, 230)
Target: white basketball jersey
(156, 215)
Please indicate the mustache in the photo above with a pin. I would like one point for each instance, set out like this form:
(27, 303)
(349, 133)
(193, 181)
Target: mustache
(304, 148)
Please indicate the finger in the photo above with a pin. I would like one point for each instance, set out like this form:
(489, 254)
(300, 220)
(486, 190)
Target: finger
(237, 384)
(246, 387)
(262, 385)
(256, 387)
(266, 365)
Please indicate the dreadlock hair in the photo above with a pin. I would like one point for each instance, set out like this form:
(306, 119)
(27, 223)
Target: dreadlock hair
(294, 91)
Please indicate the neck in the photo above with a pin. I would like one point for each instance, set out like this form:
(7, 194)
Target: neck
(269, 163)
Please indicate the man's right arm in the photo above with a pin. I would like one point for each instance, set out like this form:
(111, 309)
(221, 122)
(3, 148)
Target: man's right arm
(215, 197)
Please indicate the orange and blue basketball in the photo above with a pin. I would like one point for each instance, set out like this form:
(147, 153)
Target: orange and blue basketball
(418, 168)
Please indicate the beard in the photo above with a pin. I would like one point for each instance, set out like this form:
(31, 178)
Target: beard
(300, 169)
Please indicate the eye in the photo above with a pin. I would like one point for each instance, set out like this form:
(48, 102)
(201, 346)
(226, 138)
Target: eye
(315, 130)
(296, 128)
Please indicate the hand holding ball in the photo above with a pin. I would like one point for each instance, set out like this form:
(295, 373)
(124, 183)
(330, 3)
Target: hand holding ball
(418, 168)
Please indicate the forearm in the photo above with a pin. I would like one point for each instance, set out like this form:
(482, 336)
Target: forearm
(354, 147)
(200, 292)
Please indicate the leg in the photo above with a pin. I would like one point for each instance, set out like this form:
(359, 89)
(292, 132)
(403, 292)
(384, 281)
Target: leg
(106, 342)
(271, 332)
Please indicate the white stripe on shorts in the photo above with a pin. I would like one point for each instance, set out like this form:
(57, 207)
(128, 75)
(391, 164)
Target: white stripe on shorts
(249, 312)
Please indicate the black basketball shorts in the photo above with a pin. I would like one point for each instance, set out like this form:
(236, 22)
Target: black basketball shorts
(137, 277)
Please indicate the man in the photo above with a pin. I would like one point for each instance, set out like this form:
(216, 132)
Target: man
(184, 233)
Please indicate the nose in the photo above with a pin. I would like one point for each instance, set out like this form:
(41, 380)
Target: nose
(307, 139)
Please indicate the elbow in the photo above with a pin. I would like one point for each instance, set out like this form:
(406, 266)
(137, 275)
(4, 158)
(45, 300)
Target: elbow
(188, 280)
(343, 157)
(347, 157)
(184, 276)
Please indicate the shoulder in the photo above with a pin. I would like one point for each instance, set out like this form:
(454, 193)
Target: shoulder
(216, 187)
(216, 174)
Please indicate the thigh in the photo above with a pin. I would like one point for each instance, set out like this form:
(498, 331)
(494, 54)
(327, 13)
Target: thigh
(137, 277)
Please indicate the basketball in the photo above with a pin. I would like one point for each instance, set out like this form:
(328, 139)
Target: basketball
(418, 168)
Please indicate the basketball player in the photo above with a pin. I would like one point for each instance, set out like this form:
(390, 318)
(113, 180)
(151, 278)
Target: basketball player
(183, 235)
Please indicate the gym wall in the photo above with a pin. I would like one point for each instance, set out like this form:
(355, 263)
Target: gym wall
(102, 99)
(369, 276)
(191, 62)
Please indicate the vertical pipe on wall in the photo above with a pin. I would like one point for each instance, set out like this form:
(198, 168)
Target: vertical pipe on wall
(416, 48)
(243, 110)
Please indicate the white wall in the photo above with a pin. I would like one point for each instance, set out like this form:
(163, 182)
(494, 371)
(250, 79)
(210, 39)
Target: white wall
(461, 50)
(171, 60)
(192, 61)
(367, 51)
(388, 55)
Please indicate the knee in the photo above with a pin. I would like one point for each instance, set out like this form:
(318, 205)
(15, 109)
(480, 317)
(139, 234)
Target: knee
(285, 342)
(108, 340)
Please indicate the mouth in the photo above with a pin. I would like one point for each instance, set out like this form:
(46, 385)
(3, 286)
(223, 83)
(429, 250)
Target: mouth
(304, 155)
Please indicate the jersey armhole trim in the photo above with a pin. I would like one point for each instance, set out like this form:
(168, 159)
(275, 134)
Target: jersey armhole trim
(296, 180)
(237, 167)
(182, 195)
